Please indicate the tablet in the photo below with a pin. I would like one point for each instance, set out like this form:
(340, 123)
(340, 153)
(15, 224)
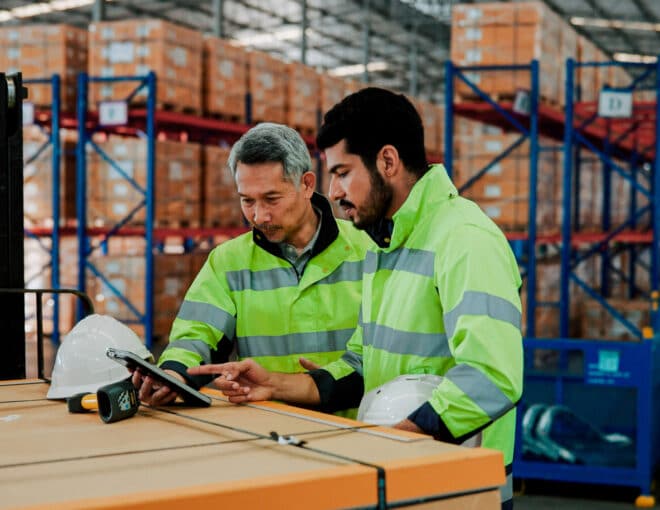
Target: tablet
(133, 362)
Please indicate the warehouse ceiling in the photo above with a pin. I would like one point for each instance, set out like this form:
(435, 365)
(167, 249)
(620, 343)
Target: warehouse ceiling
(404, 43)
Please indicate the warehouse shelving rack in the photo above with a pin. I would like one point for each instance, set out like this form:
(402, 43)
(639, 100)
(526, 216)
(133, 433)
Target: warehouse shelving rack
(613, 384)
(635, 140)
(491, 111)
(87, 126)
(49, 122)
(595, 377)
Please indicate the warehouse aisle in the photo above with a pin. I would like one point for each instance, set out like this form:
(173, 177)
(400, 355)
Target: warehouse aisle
(539, 495)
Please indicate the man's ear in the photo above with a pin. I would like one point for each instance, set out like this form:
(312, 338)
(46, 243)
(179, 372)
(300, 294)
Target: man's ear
(388, 160)
(308, 181)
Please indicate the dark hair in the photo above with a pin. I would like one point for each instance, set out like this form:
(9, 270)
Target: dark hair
(374, 117)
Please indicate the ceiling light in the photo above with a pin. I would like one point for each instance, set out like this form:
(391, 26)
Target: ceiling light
(264, 39)
(35, 9)
(642, 26)
(354, 69)
(635, 59)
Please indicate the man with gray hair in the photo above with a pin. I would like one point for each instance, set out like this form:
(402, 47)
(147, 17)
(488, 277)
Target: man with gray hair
(286, 294)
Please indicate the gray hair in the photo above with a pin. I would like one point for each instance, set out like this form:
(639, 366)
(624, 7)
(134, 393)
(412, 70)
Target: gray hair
(269, 143)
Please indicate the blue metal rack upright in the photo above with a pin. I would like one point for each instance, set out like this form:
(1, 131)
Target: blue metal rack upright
(624, 146)
(614, 386)
(54, 141)
(527, 125)
(85, 249)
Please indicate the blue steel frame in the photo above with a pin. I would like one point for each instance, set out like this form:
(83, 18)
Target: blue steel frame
(574, 140)
(84, 245)
(54, 141)
(636, 368)
(451, 73)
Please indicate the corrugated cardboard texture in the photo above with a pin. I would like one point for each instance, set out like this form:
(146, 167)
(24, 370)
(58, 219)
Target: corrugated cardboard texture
(53, 459)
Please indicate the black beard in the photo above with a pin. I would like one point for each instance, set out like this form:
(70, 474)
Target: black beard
(380, 199)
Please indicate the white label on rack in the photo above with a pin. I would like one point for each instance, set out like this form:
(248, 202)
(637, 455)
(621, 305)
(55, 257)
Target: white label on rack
(28, 113)
(522, 103)
(14, 53)
(496, 169)
(121, 52)
(142, 69)
(615, 104)
(113, 113)
(107, 71)
(119, 209)
(142, 50)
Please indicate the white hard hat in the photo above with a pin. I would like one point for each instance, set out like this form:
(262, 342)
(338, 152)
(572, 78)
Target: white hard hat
(396, 399)
(81, 365)
(393, 402)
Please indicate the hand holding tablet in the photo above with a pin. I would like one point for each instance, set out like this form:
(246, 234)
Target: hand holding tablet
(133, 362)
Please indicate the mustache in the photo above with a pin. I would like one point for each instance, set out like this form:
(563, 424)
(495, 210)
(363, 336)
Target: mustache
(266, 228)
(346, 203)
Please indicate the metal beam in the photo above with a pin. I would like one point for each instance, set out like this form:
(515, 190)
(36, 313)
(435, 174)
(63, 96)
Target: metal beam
(98, 11)
(629, 40)
(218, 16)
(303, 33)
(646, 13)
(584, 33)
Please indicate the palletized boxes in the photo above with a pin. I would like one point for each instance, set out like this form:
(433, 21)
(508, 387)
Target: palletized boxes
(598, 323)
(432, 117)
(221, 206)
(303, 90)
(39, 51)
(268, 87)
(333, 90)
(224, 86)
(38, 178)
(503, 191)
(135, 47)
(507, 34)
(111, 197)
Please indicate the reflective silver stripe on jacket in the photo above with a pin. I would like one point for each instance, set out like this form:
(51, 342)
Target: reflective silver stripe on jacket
(191, 345)
(348, 271)
(480, 389)
(404, 259)
(353, 360)
(281, 277)
(284, 345)
(269, 279)
(208, 314)
(428, 345)
(482, 303)
(506, 490)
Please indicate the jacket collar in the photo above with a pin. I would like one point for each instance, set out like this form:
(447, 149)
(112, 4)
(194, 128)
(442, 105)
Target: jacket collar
(329, 230)
(433, 188)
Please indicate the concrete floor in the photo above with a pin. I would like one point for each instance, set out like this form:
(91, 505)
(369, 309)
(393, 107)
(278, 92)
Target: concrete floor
(538, 495)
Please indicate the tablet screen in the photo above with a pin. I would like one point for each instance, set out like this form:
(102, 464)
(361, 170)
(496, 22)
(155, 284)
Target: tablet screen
(133, 362)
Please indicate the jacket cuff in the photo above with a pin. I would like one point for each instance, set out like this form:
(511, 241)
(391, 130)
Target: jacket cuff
(196, 381)
(337, 394)
(427, 419)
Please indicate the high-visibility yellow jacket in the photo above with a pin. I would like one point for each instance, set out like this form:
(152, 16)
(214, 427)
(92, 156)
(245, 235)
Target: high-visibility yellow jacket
(440, 296)
(250, 299)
